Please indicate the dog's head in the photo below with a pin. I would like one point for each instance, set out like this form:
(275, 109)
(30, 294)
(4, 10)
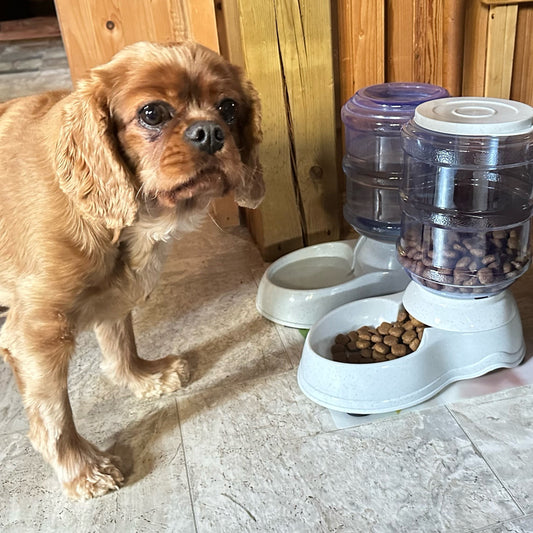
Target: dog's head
(174, 124)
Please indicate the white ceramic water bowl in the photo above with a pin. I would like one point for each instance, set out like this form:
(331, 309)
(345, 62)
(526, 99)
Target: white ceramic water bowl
(301, 287)
(444, 355)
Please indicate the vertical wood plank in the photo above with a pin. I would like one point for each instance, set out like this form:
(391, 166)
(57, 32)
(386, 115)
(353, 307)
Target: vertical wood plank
(275, 224)
(304, 39)
(454, 35)
(400, 40)
(361, 29)
(425, 42)
(522, 88)
(501, 35)
(94, 31)
(475, 46)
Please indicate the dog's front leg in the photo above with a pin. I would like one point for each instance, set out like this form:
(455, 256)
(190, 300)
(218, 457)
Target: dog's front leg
(38, 350)
(121, 363)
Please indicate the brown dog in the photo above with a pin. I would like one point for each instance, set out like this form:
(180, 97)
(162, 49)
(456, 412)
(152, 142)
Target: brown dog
(94, 186)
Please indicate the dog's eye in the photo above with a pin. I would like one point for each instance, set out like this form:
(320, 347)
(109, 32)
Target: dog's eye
(154, 115)
(228, 110)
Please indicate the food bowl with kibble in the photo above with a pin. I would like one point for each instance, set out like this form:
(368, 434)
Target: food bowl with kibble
(464, 239)
(301, 287)
(457, 342)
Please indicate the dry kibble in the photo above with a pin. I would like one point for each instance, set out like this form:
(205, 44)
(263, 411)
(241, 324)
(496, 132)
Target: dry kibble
(396, 331)
(465, 264)
(342, 339)
(382, 348)
(353, 357)
(383, 328)
(377, 356)
(416, 322)
(409, 336)
(485, 276)
(402, 315)
(387, 342)
(512, 243)
(414, 344)
(399, 350)
(353, 336)
(488, 259)
(361, 344)
(364, 334)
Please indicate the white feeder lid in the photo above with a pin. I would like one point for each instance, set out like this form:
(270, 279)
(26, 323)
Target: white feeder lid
(475, 116)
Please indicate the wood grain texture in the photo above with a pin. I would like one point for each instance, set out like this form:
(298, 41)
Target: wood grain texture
(94, 31)
(501, 34)
(425, 42)
(504, 2)
(522, 87)
(475, 47)
(305, 47)
(361, 30)
(30, 28)
(275, 224)
(400, 51)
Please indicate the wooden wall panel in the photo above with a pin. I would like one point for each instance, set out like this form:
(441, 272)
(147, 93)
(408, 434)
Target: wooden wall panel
(475, 48)
(94, 31)
(498, 49)
(275, 224)
(361, 35)
(522, 83)
(304, 37)
(501, 36)
(425, 42)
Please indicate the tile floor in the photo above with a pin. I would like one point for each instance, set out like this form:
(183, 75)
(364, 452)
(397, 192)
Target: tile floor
(243, 450)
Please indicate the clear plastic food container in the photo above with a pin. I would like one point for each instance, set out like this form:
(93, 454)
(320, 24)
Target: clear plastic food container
(466, 196)
(373, 163)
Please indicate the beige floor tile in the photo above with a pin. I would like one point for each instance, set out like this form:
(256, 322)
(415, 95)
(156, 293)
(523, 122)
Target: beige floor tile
(155, 498)
(256, 464)
(501, 427)
(520, 525)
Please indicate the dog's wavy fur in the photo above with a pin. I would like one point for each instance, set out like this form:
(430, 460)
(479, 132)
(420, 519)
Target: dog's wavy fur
(90, 199)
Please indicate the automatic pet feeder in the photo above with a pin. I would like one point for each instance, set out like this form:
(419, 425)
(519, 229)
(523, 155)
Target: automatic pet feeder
(301, 287)
(466, 207)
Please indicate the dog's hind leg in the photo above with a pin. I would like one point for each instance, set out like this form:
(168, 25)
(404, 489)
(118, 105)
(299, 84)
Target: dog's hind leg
(122, 364)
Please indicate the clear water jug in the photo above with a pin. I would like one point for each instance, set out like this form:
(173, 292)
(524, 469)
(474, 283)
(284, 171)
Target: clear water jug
(373, 163)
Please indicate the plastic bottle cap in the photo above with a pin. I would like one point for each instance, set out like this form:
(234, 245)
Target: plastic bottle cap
(475, 116)
(387, 105)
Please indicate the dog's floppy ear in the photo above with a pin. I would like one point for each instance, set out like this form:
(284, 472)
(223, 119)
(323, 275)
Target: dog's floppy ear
(251, 190)
(89, 167)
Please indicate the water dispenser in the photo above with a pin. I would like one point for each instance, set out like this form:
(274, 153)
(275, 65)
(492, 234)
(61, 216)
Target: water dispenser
(304, 285)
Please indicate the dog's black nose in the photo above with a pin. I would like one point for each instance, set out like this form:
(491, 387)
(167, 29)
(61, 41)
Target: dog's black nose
(206, 136)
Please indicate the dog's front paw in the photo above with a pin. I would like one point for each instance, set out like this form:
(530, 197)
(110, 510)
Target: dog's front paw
(94, 478)
(161, 376)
